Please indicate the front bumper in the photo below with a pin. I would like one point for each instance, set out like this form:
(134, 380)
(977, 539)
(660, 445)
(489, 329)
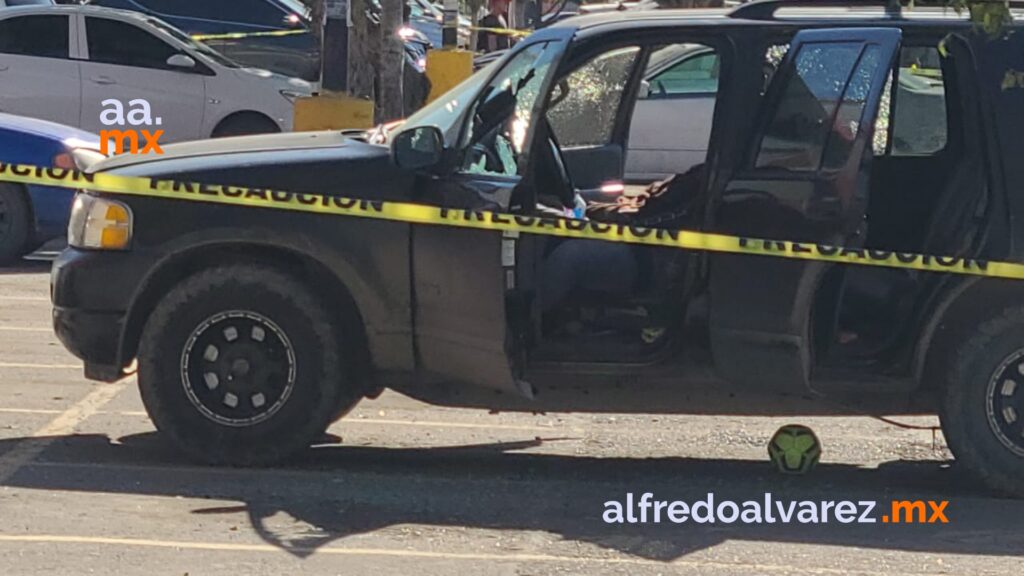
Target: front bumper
(91, 294)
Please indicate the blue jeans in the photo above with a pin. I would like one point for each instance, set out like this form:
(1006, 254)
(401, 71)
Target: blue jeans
(587, 264)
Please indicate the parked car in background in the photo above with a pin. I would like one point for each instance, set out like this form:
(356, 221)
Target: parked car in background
(32, 215)
(61, 63)
(9, 3)
(295, 54)
(429, 19)
(681, 81)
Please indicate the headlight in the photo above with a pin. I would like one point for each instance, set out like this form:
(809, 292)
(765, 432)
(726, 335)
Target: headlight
(99, 224)
(292, 95)
(77, 159)
(86, 157)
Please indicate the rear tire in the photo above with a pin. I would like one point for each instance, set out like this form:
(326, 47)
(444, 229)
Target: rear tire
(241, 365)
(245, 125)
(15, 224)
(982, 409)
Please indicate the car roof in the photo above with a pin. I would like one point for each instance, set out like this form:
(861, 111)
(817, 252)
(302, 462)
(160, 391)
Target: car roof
(73, 9)
(786, 16)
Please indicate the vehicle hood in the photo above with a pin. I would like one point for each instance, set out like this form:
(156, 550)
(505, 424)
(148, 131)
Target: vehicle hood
(314, 162)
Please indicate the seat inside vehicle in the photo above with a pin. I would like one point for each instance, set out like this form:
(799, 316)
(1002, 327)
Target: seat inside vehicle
(631, 158)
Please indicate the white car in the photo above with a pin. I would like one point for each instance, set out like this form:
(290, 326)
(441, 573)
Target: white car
(61, 63)
(7, 3)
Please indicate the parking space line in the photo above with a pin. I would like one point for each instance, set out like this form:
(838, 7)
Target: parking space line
(65, 423)
(728, 567)
(40, 366)
(24, 329)
(25, 298)
(373, 421)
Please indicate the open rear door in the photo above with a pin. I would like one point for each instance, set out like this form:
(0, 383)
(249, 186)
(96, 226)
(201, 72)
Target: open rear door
(805, 179)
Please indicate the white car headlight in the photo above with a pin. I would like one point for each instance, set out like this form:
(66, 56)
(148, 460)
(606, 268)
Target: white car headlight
(292, 95)
(99, 223)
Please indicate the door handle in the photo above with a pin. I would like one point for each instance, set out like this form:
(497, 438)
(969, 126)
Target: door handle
(102, 80)
(4, 67)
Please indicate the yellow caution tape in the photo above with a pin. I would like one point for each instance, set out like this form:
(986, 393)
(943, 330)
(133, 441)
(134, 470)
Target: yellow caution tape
(237, 35)
(498, 221)
(503, 31)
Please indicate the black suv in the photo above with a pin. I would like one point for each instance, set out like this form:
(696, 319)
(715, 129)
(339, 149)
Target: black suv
(254, 329)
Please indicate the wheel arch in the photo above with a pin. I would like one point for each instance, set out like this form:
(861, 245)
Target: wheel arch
(965, 304)
(242, 114)
(311, 272)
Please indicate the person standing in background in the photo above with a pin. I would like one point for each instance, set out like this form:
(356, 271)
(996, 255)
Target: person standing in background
(497, 17)
(531, 14)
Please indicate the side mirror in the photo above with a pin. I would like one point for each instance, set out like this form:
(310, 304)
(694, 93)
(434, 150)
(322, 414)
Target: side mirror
(418, 148)
(645, 90)
(183, 61)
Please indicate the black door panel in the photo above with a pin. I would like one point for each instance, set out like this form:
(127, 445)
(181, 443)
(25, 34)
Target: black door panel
(806, 179)
(592, 166)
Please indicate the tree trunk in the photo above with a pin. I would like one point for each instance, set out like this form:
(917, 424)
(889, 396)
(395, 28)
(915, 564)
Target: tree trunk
(362, 39)
(392, 59)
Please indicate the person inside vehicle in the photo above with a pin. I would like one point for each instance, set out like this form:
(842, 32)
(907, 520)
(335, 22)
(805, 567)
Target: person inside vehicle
(612, 270)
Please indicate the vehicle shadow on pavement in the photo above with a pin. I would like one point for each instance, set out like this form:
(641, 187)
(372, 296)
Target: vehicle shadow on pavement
(341, 491)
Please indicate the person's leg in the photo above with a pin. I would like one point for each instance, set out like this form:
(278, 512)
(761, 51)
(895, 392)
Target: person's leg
(592, 264)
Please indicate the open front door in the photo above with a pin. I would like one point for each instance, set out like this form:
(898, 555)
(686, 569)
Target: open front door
(805, 179)
(468, 313)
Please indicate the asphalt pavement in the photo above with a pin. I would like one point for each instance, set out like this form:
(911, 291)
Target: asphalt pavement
(400, 487)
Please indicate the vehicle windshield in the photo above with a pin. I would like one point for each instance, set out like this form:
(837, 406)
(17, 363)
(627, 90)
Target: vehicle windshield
(197, 46)
(444, 112)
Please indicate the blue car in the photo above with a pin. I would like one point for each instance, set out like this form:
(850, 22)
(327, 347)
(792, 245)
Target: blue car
(32, 215)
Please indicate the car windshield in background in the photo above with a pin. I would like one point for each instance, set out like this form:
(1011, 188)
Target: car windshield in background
(30, 2)
(197, 46)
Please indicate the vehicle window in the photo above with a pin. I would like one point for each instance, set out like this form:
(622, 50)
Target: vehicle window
(691, 74)
(188, 41)
(173, 7)
(116, 42)
(847, 121)
(258, 12)
(802, 122)
(503, 115)
(445, 111)
(918, 116)
(584, 103)
(43, 36)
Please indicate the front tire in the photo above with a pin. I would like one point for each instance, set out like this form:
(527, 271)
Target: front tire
(15, 224)
(241, 365)
(982, 408)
